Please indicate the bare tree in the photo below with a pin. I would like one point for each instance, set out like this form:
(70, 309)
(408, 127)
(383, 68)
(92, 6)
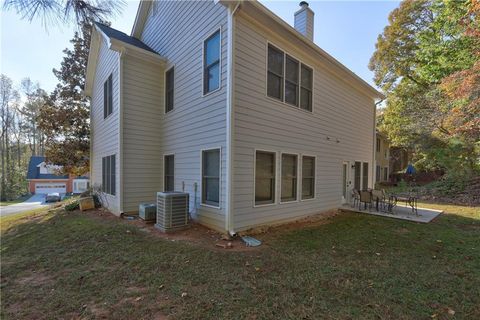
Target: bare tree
(8, 100)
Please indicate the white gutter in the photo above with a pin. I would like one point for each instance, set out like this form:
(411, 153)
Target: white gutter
(232, 8)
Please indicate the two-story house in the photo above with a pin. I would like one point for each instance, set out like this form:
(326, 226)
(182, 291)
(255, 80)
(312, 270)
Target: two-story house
(382, 157)
(226, 101)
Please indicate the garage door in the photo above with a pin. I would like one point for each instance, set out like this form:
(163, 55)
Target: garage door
(50, 187)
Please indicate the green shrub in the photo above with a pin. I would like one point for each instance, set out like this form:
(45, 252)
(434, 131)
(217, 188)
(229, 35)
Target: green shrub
(75, 205)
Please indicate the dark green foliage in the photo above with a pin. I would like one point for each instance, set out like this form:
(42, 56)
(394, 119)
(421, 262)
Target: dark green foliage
(426, 61)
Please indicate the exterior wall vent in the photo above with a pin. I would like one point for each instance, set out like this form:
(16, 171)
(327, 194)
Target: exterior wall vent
(172, 211)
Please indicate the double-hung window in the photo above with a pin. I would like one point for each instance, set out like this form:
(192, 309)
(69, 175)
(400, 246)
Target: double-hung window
(108, 174)
(169, 86)
(211, 177)
(289, 177)
(169, 173)
(264, 177)
(308, 177)
(107, 97)
(306, 88)
(275, 73)
(365, 176)
(211, 63)
(289, 80)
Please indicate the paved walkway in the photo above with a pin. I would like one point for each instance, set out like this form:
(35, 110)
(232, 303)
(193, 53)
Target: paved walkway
(34, 202)
(400, 212)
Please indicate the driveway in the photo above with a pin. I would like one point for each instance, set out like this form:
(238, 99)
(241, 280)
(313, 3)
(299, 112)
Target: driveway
(35, 202)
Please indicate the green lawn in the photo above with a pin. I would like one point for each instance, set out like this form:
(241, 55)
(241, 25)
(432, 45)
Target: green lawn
(356, 266)
(21, 199)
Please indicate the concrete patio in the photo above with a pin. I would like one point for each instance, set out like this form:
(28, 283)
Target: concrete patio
(399, 212)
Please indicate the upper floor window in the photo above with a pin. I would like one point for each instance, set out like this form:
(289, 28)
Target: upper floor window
(211, 63)
(289, 80)
(275, 73)
(169, 82)
(306, 89)
(378, 144)
(107, 97)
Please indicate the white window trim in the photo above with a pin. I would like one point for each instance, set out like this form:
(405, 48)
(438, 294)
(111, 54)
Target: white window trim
(218, 29)
(108, 116)
(315, 177)
(275, 189)
(219, 182)
(165, 112)
(163, 170)
(282, 101)
(281, 177)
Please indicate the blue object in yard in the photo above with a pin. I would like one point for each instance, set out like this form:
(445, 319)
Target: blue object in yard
(251, 242)
(410, 169)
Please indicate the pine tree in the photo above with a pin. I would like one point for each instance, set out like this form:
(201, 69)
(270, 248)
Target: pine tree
(65, 118)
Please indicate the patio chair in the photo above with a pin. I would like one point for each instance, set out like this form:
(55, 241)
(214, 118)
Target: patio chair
(379, 198)
(355, 197)
(366, 198)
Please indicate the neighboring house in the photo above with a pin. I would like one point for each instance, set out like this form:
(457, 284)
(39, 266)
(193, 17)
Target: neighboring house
(44, 178)
(226, 101)
(382, 158)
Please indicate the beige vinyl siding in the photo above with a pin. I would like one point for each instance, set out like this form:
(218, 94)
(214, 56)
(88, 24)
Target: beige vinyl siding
(142, 117)
(176, 30)
(339, 111)
(105, 132)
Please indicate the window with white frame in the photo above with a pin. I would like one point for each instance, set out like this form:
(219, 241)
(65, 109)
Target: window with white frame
(265, 169)
(211, 63)
(169, 172)
(289, 80)
(107, 97)
(308, 177)
(108, 174)
(211, 177)
(169, 89)
(289, 177)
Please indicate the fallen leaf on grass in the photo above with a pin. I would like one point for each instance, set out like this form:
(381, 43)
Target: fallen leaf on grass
(451, 311)
(138, 298)
(184, 294)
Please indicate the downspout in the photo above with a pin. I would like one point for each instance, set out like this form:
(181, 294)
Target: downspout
(374, 157)
(232, 8)
(120, 129)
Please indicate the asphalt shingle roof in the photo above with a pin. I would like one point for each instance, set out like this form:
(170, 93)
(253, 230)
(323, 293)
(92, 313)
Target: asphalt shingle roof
(34, 172)
(112, 33)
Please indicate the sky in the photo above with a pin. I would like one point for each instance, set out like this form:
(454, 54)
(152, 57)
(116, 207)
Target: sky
(347, 30)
